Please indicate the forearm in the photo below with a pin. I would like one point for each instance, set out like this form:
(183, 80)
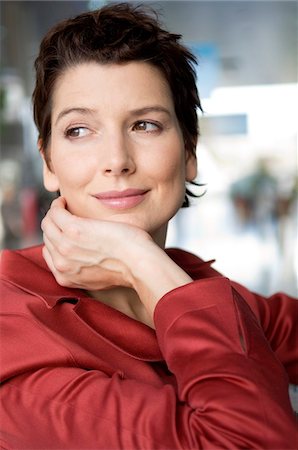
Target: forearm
(277, 315)
(230, 376)
(231, 391)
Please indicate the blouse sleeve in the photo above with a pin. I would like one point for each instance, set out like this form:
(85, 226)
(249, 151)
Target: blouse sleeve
(278, 317)
(231, 389)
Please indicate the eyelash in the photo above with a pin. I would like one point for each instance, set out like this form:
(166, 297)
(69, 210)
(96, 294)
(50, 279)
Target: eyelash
(68, 132)
(157, 125)
(158, 129)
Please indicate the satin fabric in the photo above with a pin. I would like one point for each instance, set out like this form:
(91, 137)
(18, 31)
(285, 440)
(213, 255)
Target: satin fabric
(77, 374)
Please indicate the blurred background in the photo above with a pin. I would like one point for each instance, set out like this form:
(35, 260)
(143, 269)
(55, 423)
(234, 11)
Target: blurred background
(247, 153)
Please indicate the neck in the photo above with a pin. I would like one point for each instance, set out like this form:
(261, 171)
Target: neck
(159, 237)
(126, 301)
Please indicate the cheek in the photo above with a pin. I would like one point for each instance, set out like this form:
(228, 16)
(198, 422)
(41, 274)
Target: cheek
(167, 161)
(71, 173)
(170, 167)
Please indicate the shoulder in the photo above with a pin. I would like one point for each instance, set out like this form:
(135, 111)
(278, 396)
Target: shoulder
(25, 277)
(17, 265)
(22, 271)
(29, 294)
(21, 257)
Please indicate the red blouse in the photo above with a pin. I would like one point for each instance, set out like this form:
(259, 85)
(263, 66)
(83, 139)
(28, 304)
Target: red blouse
(77, 374)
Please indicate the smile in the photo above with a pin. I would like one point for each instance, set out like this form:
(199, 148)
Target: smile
(126, 199)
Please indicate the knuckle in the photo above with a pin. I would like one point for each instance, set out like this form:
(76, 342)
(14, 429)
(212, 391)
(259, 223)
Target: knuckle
(64, 248)
(72, 230)
(61, 280)
(43, 224)
(61, 265)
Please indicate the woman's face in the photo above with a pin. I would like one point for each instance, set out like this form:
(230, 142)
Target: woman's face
(116, 149)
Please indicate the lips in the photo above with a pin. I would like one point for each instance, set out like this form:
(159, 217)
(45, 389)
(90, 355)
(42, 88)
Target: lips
(120, 194)
(122, 199)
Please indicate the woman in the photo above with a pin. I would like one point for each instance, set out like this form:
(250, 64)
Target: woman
(111, 341)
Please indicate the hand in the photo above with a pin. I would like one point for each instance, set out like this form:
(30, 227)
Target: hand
(89, 254)
(96, 255)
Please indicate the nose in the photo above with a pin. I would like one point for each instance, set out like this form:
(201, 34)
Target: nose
(119, 158)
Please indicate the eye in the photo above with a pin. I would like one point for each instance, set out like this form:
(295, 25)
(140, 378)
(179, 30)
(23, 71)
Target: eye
(146, 127)
(77, 132)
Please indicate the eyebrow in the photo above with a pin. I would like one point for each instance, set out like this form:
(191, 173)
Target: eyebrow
(134, 112)
(65, 112)
(148, 109)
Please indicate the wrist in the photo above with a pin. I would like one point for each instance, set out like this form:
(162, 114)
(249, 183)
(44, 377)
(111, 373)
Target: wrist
(155, 274)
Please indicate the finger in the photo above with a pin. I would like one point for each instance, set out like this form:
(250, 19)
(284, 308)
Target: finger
(70, 223)
(66, 222)
(51, 230)
(48, 259)
(61, 279)
(56, 241)
(58, 263)
(59, 202)
(64, 254)
(49, 246)
(62, 219)
(52, 257)
(63, 250)
(58, 237)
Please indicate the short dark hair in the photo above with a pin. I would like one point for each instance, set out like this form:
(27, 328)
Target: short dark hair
(117, 33)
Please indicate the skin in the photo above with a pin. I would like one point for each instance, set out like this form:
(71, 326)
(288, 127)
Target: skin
(120, 121)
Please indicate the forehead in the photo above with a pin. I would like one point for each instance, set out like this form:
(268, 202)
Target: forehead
(124, 85)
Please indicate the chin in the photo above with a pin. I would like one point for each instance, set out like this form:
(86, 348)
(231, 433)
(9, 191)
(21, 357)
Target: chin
(129, 219)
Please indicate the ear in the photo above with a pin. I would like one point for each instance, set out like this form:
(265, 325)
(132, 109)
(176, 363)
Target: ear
(190, 167)
(50, 180)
